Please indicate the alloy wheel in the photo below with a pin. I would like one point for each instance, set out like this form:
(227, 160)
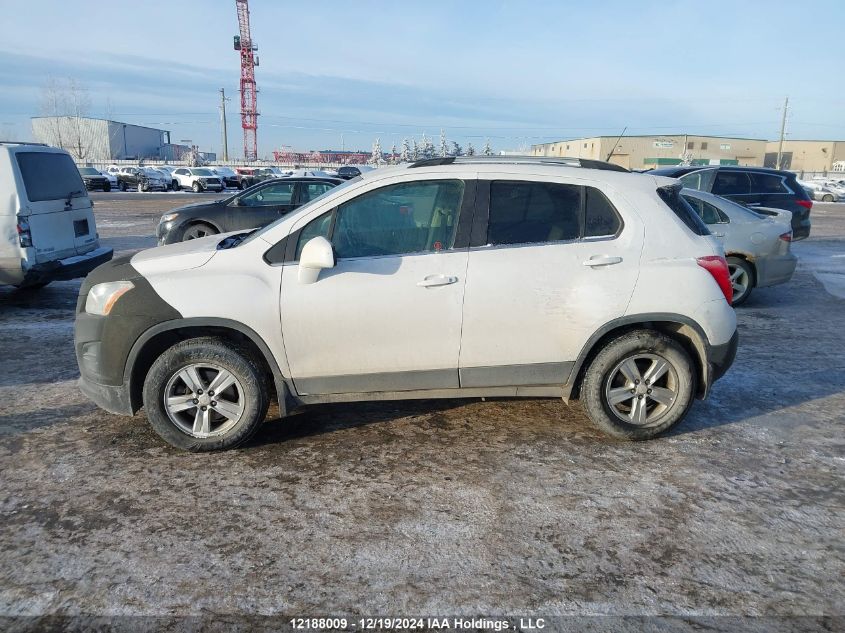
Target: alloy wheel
(641, 388)
(739, 280)
(204, 400)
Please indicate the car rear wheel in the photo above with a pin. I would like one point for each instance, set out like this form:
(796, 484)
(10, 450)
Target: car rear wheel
(639, 385)
(107, 186)
(140, 187)
(827, 198)
(205, 394)
(742, 279)
(175, 185)
(121, 185)
(198, 230)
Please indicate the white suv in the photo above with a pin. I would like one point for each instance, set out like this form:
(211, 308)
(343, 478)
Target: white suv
(197, 178)
(446, 278)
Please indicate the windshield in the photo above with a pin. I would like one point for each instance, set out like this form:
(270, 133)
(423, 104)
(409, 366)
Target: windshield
(201, 172)
(88, 171)
(225, 171)
(304, 208)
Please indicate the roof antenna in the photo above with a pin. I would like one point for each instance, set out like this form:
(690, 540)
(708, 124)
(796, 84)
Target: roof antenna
(613, 149)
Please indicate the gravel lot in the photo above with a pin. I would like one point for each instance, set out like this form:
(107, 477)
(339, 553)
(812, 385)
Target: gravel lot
(435, 507)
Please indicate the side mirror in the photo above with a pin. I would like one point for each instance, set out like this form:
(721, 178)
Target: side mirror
(316, 255)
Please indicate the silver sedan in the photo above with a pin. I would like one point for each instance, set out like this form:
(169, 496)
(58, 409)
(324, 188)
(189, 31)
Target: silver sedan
(757, 243)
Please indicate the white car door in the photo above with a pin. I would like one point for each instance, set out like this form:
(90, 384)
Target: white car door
(554, 264)
(387, 317)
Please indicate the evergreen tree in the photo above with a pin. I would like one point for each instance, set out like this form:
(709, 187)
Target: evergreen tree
(457, 150)
(488, 151)
(444, 148)
(406, 152)
(426, 147)
(377, 158)
(415, 152)
(470, 150)
(393, 154)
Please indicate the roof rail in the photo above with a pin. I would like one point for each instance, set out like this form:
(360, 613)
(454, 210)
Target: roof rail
(585, 163)
(22, 143)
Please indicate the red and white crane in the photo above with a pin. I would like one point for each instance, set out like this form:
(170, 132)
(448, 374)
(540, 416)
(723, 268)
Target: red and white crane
(249, 91)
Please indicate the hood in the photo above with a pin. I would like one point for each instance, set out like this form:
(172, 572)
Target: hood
(177, 257)
(197, 206)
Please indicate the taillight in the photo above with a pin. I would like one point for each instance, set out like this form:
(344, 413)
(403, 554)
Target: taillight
(24, 233)
(786, 237)
(807, 204)
(717, 266)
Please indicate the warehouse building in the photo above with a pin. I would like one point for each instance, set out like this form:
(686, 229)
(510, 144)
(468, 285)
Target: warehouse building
(643, 152)
(807, 156)
(99, 139)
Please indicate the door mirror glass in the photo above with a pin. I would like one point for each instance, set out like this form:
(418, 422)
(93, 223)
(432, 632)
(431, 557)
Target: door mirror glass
(316, 255)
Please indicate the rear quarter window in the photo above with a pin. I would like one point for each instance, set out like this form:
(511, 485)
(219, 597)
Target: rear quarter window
(49, 176)
(767, 183)
(681, 208)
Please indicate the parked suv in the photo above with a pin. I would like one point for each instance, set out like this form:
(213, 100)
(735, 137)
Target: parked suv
(47, 229)
(198, 179)
(93, 179)
(258, 206)
(751, 187)
(446, 278)
(140, 179)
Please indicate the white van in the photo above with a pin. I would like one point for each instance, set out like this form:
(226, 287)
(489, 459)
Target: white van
(47, 229)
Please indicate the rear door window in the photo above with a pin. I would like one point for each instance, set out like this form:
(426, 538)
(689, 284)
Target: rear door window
(730, 183)
(49, 176)
(533, 212)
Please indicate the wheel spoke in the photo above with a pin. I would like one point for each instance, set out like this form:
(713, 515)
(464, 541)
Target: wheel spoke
(638, 411)
(175, 404)
(202, 421)
(630, 370)
(656, 370)
(661, 395)
(191, 378)
(738, 287)
(620, 394)
(222, 381)
(229, 410)
(736, 274)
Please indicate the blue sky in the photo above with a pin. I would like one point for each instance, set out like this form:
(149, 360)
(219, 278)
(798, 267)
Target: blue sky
(514, 72)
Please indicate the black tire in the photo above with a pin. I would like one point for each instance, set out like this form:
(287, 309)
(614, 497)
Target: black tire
(827, 198)
(107, 186)
(197, 230)
(141, 187)
(222, 353)
(746, 279)
(121, 185)
(175, 185)
(603, 371)
(196, 187)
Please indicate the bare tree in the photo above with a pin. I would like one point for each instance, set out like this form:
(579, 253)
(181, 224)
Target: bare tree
(67, 103)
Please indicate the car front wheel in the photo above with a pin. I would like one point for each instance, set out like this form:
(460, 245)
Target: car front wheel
(827, 198)
(639, 385)
(175, 185)
(107, 186)
(198, 230)
(205, 394)
(196, 187)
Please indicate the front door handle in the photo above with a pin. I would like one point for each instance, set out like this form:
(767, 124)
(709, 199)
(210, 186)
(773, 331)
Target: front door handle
(436, 280)
(602, 260)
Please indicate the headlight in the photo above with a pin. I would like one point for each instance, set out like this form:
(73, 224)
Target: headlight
(168, 217)
(102, 297)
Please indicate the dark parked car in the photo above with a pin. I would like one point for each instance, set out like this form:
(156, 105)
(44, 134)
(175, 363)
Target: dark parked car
(260, 205)
(249, 176)
(348, 172)
(93, 179)
(141, 179)
(750, 186)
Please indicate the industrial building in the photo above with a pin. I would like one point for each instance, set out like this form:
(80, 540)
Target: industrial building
(642, 152)
(100, 139)
(807, 156)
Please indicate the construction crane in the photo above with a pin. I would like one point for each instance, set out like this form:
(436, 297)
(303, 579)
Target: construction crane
(249, 91)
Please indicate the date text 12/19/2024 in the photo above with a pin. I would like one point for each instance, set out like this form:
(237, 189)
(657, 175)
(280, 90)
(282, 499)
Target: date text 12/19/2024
(427, 623)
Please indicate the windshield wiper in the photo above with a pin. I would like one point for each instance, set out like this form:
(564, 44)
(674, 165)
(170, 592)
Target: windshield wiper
(71, 196)
(234, 240)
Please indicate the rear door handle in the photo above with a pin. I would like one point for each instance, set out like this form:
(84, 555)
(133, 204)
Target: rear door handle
(602, 260)
(436, 280)
(754, 204)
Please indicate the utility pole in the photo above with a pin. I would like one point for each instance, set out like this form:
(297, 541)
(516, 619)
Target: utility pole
(782, 132)
(223, 100)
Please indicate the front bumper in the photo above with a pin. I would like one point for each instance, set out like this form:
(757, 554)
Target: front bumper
(69, 268)
(113, 399)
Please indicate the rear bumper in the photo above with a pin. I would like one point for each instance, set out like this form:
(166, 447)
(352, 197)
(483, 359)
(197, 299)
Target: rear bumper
(775, 270)
(69, 268)
(721, 357)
